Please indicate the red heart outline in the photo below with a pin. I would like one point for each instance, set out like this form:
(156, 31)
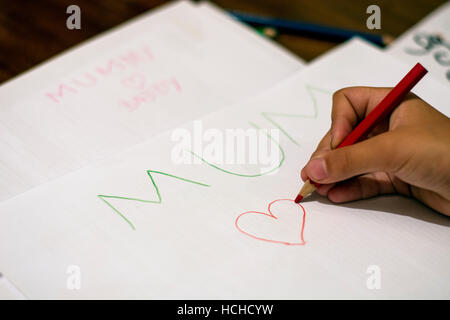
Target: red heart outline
(271, 215)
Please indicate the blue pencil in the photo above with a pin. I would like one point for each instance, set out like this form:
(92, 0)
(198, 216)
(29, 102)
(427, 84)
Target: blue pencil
(308, 29)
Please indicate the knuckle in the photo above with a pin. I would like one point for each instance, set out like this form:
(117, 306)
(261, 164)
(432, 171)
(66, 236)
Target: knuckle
(340, 92)
(336, 163)
(343, 91)
(340, 164)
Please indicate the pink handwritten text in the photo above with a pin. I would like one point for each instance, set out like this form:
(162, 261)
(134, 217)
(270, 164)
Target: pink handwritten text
(149, 93)
(115, 65)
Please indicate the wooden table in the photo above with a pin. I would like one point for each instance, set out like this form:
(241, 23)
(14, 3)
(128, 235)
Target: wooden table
(32, 31)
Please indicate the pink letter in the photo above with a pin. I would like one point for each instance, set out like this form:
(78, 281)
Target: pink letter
(148, 52)
(91, 78)
(175, 83)
(109, 67)
(61, 88)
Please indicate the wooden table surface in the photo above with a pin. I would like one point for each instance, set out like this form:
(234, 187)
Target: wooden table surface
(32, 31)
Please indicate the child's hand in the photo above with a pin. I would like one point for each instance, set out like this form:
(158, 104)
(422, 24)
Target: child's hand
(408, 153)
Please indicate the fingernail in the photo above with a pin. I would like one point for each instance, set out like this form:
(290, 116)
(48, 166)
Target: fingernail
(317, 169)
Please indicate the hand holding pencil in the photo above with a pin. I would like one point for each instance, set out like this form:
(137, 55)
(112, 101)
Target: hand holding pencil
(406, 153)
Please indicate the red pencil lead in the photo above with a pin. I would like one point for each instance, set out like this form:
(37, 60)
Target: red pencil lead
(298, 198)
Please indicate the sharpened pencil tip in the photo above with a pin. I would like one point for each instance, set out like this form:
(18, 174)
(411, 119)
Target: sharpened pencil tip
(298, 198)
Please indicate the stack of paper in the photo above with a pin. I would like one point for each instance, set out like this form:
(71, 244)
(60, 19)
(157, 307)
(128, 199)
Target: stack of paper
(429, 43)
(139, 186)
(161, 69)
(157, 71)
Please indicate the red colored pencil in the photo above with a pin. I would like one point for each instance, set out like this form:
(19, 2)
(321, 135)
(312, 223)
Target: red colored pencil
(382, 110)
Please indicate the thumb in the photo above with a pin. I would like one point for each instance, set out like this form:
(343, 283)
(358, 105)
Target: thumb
(379, 153)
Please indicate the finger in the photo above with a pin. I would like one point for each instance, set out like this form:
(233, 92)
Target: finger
(432, 199)
(362, 187)
(303, 175)
(323, 189)
(350, 105)
(379, 153)
(324, 145)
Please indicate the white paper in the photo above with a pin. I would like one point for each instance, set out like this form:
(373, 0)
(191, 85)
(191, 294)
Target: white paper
(243, 30)
(420, 44)
(160, 70)
(8, 291)
(61, 240)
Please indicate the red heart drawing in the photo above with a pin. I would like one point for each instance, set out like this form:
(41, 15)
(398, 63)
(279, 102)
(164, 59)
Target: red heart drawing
(297, 227)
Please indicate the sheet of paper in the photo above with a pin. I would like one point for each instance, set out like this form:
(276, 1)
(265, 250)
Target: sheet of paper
(8, 291)
(428, 43)
(184, 216)
(249, 33)
(157, 71)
